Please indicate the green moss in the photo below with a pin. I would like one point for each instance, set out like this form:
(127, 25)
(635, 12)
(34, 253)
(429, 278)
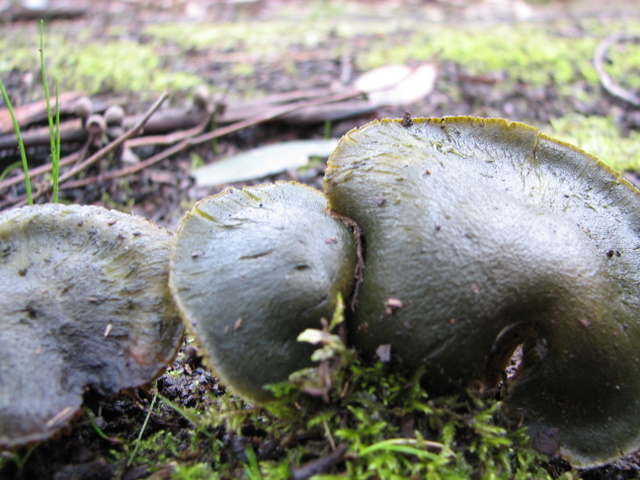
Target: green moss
(267, 40)
(91, 67)
(452, 438)
(528, 53)
(199, 471)
(243, 69)
(601, 137)
(117, 67)
(623, 64)
(388, 424)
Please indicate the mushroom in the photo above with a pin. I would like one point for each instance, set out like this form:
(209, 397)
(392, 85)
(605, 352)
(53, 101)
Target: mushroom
(250, 270)
(96, 129)
(84, 304)
(482, 235)
(83, 108)
(114, 116)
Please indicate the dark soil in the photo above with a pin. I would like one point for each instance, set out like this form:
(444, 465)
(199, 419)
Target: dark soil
(162, 192)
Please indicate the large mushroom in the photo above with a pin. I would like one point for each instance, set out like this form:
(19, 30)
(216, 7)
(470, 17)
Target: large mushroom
(250, 270)
(482, 235)
(84, 304)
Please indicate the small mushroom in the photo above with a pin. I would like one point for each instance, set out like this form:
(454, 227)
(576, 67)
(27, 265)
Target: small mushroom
(96, 129)
(83, 108)
(487, 235)
(84, 304)
(250, 270)
(114, 116)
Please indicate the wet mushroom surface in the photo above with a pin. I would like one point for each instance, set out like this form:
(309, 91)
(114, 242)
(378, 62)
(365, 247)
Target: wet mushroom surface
(84, 304)
(483, 235)
(250, 270)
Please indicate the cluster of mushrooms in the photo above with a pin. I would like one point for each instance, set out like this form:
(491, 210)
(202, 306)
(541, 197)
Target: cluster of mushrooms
(458, 240)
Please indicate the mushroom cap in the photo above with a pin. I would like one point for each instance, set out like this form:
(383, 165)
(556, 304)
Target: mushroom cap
(83, 107)
(114, 115)
(84, 303)
(482, 235)
(250, 270)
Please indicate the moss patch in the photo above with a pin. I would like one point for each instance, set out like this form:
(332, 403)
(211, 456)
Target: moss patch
(117, 67)
(528, 53)
(600, 137)
(120, 66)
(268, 40)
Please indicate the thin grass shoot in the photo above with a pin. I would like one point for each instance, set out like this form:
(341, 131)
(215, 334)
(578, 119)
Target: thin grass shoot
(54, 121)
(23, 152)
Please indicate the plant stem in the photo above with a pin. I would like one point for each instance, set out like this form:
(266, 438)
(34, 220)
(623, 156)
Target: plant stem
(54, 125)
(23, 153)
(190, 418)
(144, 427)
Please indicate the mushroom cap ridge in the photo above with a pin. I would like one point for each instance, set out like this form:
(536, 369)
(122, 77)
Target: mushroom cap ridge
(487, 234)
(84, 304)
(250, 270)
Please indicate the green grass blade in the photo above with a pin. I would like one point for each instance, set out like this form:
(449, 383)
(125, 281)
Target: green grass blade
(190, 418)
(252, 467)
(55, 159)
(23, 153)
(407, 446)
(144, 427)
(92, 420)
(54, 124)
(9, 169)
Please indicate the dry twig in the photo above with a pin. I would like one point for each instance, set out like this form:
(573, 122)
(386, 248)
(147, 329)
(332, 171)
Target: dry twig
(37, 171)
(103, 152)
(599, 60)
(196, 140)
(319, 465)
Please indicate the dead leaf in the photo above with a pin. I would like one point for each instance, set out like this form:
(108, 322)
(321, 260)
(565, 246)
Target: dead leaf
(397, 84)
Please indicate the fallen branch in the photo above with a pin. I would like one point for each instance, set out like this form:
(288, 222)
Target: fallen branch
(170, 120)
(22, 14)
(169, 138)
(599, 60)
(74, 131)
(36, 112)
(70, 131)
(320, 465)
(131, 143)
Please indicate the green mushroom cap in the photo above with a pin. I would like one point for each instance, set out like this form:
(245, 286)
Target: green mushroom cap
(250, 270)
(84, 303)
(482, 235)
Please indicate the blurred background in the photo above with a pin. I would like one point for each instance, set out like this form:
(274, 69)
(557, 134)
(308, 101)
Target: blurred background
(569, 67)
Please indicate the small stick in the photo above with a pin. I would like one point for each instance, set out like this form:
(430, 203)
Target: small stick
(168, 138)
(103, 152)
(131, 143)
(34, 172)
(319, 465)
(610, 85)
(189, 142)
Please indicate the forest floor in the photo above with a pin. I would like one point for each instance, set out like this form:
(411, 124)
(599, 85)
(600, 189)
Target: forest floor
(528, 62)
